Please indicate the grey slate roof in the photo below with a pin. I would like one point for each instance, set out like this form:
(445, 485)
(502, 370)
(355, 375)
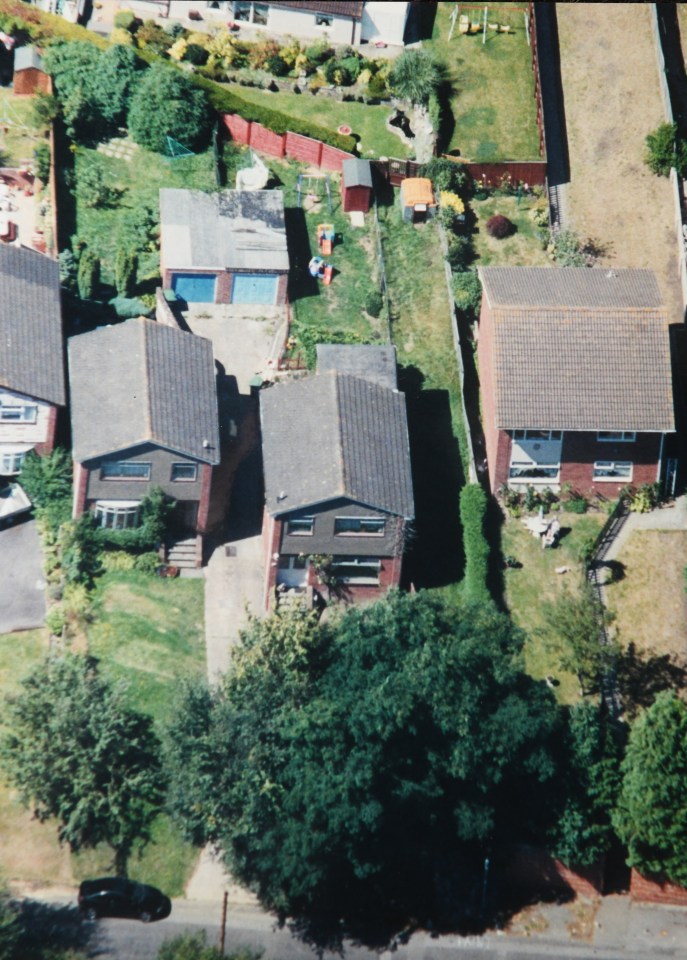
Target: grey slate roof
(142, 382)
(338, 8)
(333, 435)
(27, 57)
(356, 172)
(579, 349)
(231, 229)
(369, 362)
(31, 346)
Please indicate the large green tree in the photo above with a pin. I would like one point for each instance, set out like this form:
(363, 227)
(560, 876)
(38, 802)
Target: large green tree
(415, 76)
(76, 752)
(167, 104)
(348, 770)
(651, 816)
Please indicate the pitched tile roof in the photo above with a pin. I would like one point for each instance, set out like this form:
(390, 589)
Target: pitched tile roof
(142, 382)
(338, 8)
(579, 349)
(334, 435)
(230, 229)
(31, 345)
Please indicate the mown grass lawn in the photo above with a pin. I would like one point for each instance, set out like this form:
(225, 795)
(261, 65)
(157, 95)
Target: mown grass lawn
(367, 121)
(524, 248)
(492, 100)
(536, 582)
(18, 139)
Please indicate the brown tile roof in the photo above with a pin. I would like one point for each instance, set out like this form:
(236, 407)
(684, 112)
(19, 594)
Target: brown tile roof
(579, 349)
(337, 9)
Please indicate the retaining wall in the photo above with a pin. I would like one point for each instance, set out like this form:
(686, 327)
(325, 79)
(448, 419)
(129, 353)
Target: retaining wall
(295, 146)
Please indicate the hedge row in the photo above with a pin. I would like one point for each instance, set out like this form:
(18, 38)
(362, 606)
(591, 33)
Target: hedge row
(17, 18)
(473, 508)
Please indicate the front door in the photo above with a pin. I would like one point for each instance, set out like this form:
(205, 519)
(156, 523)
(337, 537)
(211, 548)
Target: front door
(293, 570)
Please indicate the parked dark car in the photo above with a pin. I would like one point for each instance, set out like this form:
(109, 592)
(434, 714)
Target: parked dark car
(116, 897)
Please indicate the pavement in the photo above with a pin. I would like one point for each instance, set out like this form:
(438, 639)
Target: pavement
(672, 516)
(22, 585)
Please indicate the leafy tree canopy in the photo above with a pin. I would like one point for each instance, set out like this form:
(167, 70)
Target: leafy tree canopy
(77, 753)
(343, 767)
(651, 816)
(167, 104)
(415, 76)
(665, 149)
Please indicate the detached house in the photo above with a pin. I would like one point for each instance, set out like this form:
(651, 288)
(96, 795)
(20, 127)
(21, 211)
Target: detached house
(337, 474)
(224, 247)
(575, 375)
(32, 380)
(144, 415)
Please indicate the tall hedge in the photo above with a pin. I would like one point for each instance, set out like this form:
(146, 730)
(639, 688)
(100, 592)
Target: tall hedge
(473, 508)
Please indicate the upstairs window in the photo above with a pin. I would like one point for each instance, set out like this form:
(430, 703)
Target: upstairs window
(618, 436)
(184, 471)
(537, 434)
(300, 526)
(125, 470)
(19, 413)
(361, 526)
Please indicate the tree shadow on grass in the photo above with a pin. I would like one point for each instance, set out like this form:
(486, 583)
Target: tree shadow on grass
(435, 557)
(642, 678)
(46, 929)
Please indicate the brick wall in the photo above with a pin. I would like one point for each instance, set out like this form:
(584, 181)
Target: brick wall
(266, 140)
(204, 500)
(271, 538)
(80, 489)
(580, 450)
(223, 288)
(644, 890)
(48, 444)
(163, 312)
(535, 871)
(497, 442)
(31, 81)
(293, 145)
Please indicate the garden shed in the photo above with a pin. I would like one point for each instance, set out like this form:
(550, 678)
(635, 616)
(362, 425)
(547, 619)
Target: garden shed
(356, 185)
(30, 76)
(417, 199)
(225, 247)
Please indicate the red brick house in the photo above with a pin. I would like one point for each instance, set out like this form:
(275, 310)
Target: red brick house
(224, 247)
(575, 376)
(337, 475)
(32, 378)
(144, 415)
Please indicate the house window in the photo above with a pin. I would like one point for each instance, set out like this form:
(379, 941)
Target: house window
(528, 470)
(117, 514)
(249, 12)
(357, 570)
(364, 526)
(24, 413)
(11, 461)
(125, 470)
(323, 20)
(260, 14)
(184, 471)
(537, 434)
(300, 526)
(288, 561)
(624, 436)
(613, 470)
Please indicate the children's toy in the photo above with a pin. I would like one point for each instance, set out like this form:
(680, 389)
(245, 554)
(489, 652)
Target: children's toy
(325, 238)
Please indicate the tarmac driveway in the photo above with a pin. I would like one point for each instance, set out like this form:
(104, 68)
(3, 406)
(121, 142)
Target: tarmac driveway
(22, 587)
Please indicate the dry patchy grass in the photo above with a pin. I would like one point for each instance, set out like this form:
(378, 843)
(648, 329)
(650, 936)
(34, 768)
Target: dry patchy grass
(650, 603)
(612, 101)
(524, 248)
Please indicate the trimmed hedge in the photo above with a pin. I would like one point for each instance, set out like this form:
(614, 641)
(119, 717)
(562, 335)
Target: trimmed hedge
(473, 508)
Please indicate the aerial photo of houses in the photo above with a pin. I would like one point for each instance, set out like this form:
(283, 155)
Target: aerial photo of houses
(343, 480)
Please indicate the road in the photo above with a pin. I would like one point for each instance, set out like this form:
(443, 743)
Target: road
(250, 927)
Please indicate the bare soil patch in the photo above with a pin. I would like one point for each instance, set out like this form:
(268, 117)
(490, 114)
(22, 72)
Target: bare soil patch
(612, 101)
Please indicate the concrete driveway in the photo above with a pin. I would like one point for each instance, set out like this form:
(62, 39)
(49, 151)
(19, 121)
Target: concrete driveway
(22, 587)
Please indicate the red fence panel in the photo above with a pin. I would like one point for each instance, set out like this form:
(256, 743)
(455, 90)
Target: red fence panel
(304, 149)
(239, 129)
(266, 140)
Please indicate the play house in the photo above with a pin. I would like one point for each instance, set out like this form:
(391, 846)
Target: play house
(417, 200)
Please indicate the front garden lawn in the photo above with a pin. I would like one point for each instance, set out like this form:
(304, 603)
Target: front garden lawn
(536, 582)
(18, 139)
(367, 121)
(492, 98)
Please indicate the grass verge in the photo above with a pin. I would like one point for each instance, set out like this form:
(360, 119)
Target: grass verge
(492, 92)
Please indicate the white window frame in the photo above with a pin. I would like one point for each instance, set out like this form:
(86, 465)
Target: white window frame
(361, 532)
(616, 436)
(543, 435)
(533, 465)
(351, 563)
(116, 514)
(613, 465)
(11, 461)
(186, 466)
(291, 531)
(112, 464)
(25, 412)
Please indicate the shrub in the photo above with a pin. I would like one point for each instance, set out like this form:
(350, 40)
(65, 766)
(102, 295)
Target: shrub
(277, 65)
(114, 561)
(79, 550)
(335, 71)
(126, 263)
(155, 510)
(128, 307)
(77, 601)
(414, 76)
(448, 175)
(126, 20)
(460, 252)
(665, 150)
(319, 52)
(196, 54)
(467, 291)
(575, 504)
(147, 562)
(567, 249)
(377, 88)
(473, 508)
(88, 275)
(374, 303)
(55, 620)
(121, 37)
(152, 37)
(41, 156)
(499, 226)
(91, 188)
(167, 104)
(44, 108)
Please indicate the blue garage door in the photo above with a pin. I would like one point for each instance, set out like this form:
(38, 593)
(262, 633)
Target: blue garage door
(194, 287)
(254, 288)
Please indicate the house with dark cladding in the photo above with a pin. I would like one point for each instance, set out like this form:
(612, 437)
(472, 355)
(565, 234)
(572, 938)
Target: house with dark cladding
(144, 415)
(32, 376)
(338, 484)
(575, 374)
(224, 247)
